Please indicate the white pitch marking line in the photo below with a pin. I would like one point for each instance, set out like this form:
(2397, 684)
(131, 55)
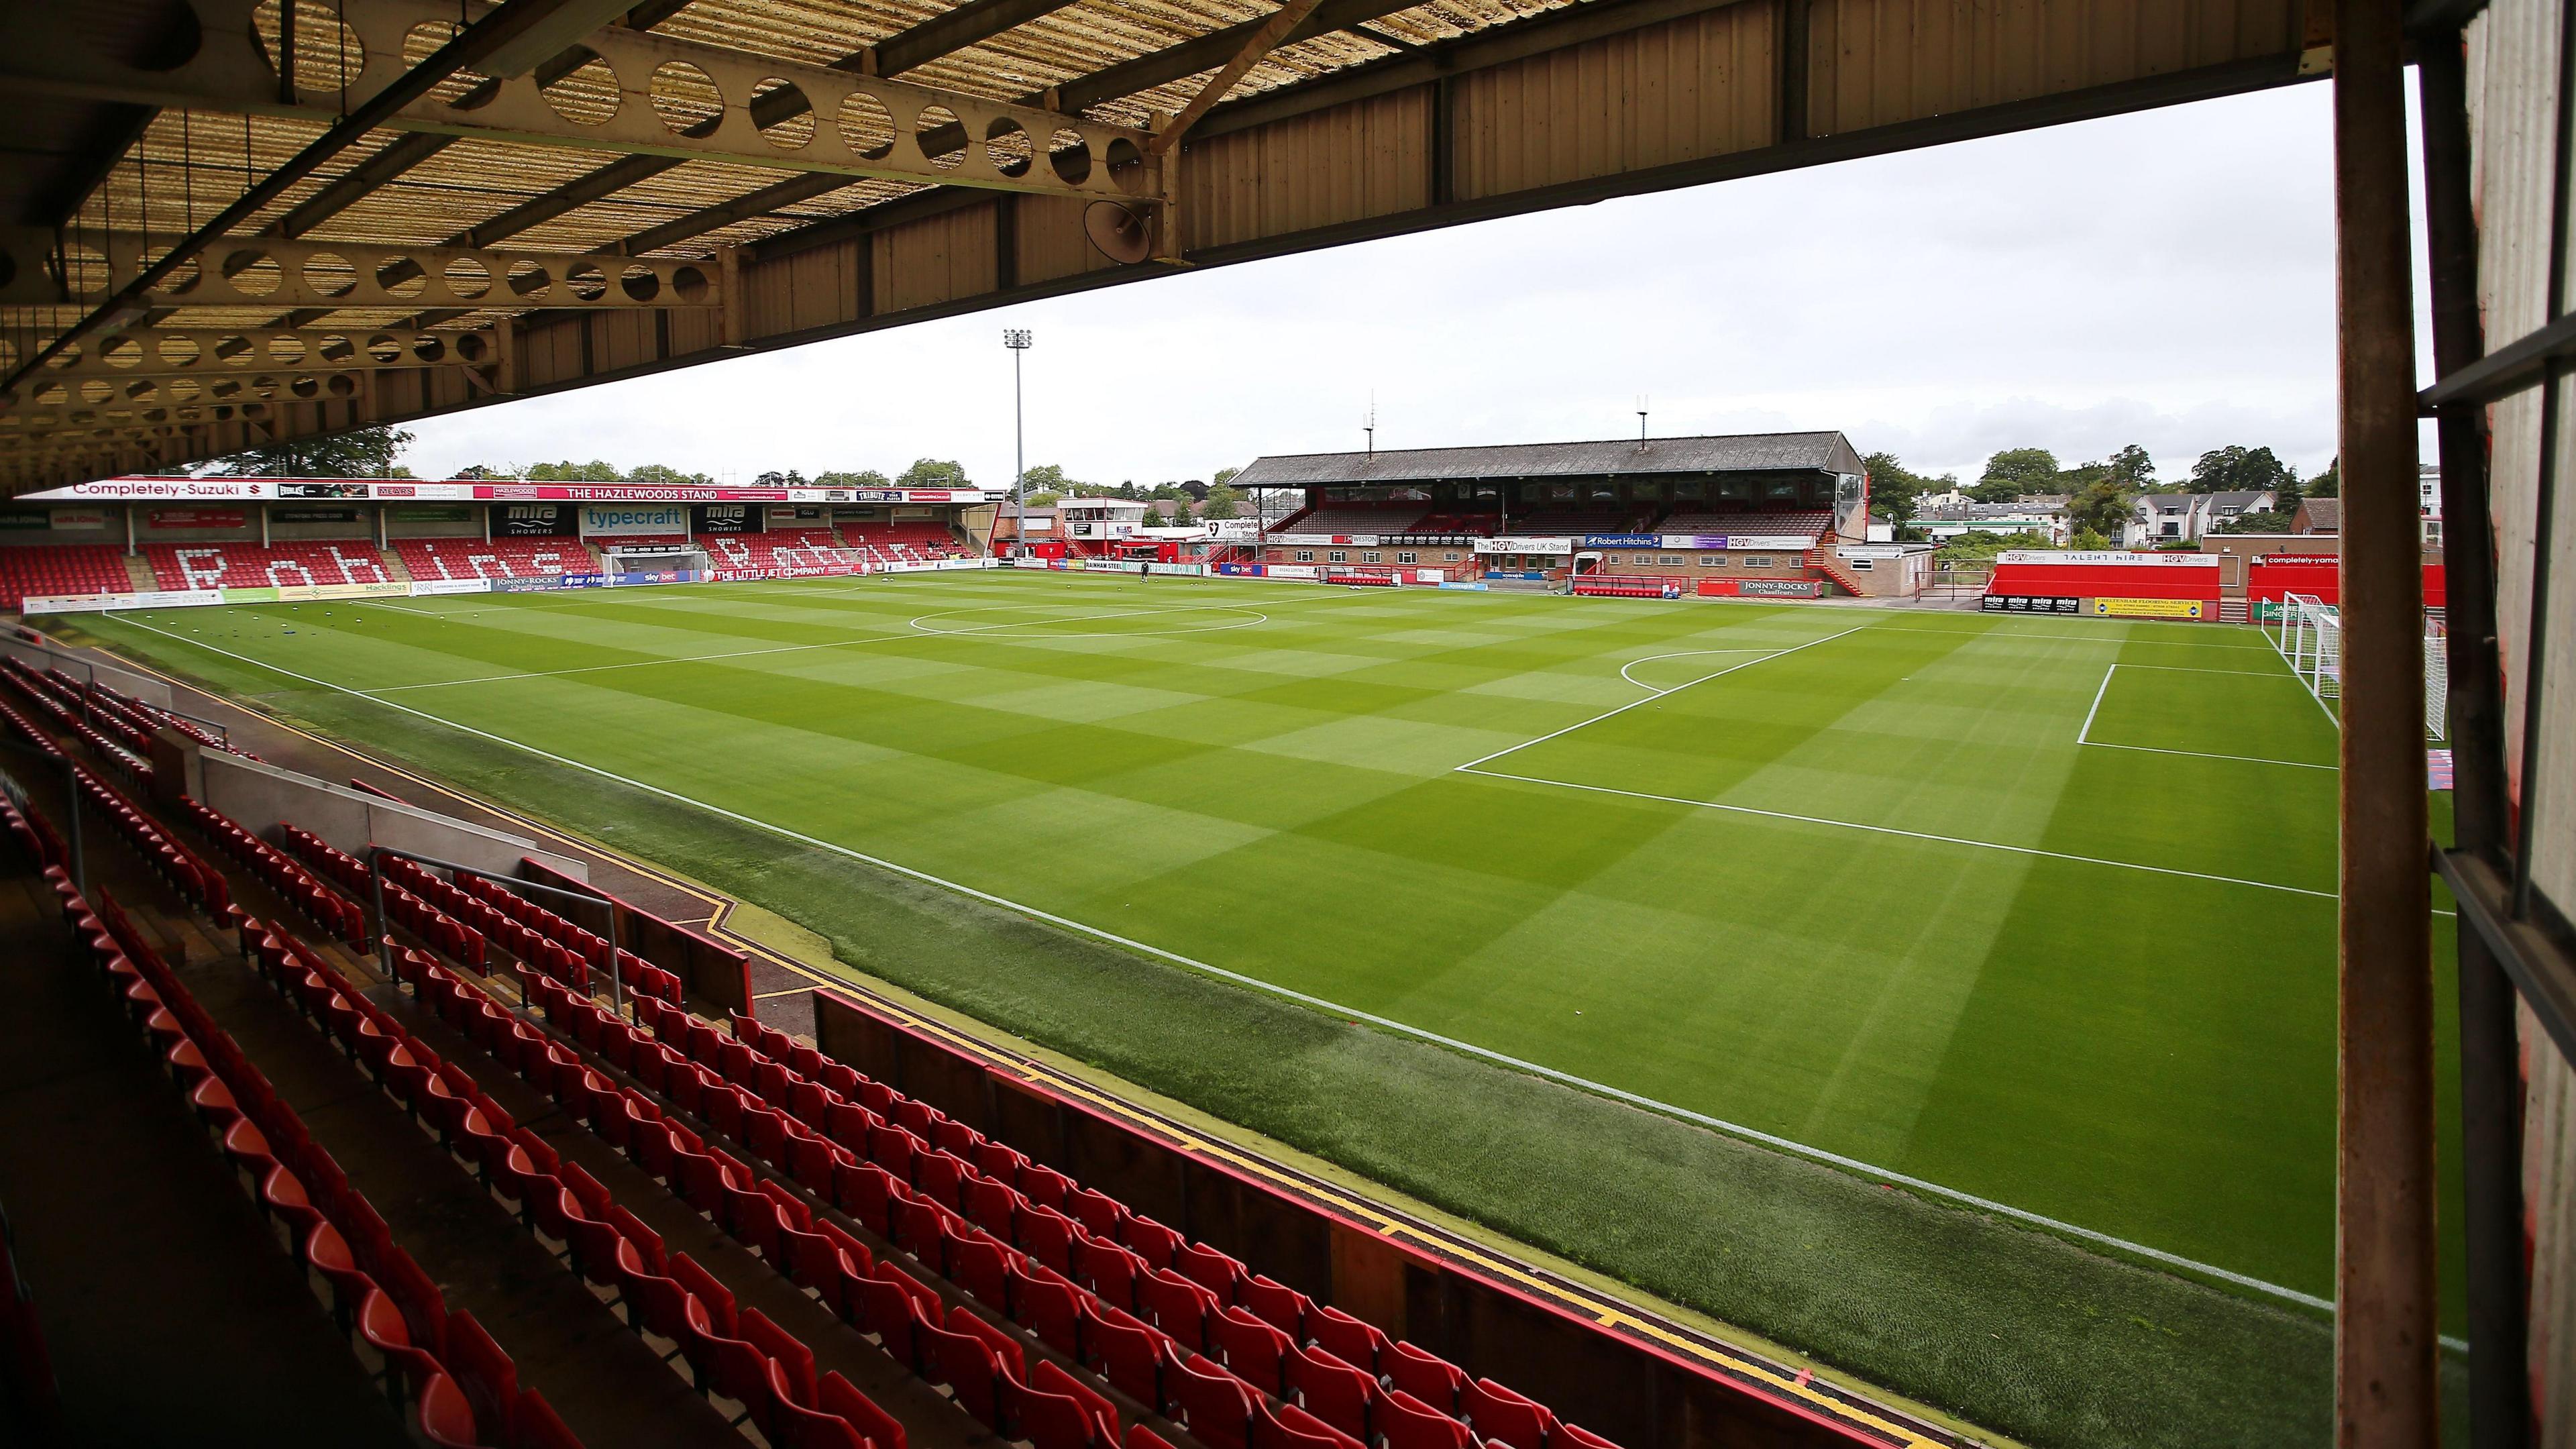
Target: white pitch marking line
(1676, 654)
(775, 649)
(2097, 703)
(2206, 755)
(1635, 1099)
(2031, 850)
(1651, 698)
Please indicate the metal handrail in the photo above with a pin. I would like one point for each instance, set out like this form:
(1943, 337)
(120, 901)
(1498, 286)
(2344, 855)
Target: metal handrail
(384, 947)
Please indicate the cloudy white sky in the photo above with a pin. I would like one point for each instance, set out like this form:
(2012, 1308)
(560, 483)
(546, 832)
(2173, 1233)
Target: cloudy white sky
(2164, 279)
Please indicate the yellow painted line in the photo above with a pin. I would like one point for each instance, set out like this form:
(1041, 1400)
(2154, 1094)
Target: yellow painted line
(1334, 1197)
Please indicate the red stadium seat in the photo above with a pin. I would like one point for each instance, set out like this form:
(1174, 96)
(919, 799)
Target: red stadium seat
(1213, 1403)
(1434, 1381)
(1253, 1350)
(1330, 1389)
(1407, 1423)
(1290, 1427)
(1496, 1413)
(1047, 1306)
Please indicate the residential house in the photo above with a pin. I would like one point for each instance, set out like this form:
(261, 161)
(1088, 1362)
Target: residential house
(2043, 515)
(2318, 516)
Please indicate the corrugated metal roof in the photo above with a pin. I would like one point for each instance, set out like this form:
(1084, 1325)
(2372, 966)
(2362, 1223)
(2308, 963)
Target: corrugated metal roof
(1722, 453)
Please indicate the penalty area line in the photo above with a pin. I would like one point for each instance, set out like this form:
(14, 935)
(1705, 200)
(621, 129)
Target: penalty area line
(1635, 1099)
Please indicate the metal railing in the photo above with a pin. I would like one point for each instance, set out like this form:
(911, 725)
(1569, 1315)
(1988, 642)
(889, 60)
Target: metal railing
(384, 944)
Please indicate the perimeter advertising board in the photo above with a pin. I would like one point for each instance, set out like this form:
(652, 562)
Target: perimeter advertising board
(610, 520)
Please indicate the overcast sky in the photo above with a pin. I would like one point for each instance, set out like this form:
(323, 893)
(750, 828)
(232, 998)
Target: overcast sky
(2165, 278)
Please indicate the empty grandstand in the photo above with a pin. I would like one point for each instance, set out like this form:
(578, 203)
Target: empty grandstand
(1742, 514)
(388, 534)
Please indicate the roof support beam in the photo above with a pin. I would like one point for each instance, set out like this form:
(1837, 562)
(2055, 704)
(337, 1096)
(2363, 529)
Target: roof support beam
(265, 271)
(972, 23)
(821, 119)
(1256, 45)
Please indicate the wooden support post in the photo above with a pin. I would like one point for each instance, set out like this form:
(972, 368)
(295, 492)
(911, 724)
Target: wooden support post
(2386, 1298)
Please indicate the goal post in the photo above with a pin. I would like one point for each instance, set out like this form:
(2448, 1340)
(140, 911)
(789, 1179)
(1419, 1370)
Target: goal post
(2308, 632)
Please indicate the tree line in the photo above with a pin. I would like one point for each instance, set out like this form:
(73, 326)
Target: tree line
(2101, 495)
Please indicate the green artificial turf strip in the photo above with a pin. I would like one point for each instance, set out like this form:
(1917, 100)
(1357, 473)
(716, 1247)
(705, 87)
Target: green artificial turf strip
(2145, 1055)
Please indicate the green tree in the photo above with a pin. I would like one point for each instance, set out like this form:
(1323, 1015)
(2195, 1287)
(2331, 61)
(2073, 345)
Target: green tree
(597, 470)
(1154, 517)
(482, 472)
(2269, 520)
(2102, 506)
(2132, 469)
(1045, 500)
(1222, 477)
(1050, 476)
(1222, 502)
(864, 478)
(1896, 491)
(663, 474)
(360, 453)
(933, 473)
(2088, 541)
(775, 479)
(2237, 469)
(2328, 484)
(2012, 472)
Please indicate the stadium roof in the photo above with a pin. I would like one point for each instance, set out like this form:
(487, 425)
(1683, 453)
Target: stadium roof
(223, 231)
(1827, 452)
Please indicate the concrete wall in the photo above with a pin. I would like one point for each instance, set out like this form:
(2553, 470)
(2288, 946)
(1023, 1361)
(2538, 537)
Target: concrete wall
(259, 796)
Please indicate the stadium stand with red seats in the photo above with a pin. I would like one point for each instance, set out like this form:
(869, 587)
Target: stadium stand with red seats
(1343, 522)
(1802, 523)
(502, 558)
(1046, 1310)
(902, 542)
(785, 552)
(57, 569)
(456, 1386)
(256, 566)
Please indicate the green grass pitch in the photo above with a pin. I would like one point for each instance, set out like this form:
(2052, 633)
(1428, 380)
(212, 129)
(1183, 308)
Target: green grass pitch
(2036, 910)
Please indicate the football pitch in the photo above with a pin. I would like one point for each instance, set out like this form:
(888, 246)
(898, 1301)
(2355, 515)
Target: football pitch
(2033, 911)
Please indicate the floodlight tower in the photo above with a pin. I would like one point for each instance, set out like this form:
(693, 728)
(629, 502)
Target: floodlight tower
(1017, 339)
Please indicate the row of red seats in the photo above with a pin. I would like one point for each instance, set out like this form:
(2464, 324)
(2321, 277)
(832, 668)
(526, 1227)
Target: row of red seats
(740, 1355)
(349, 872)
(344, 918)
(485, 923)
(488, 1407)
(1338, 1369)
(54, 569)
(132, 735)
(898, 1186)
(125, 761)
(641, 977)
(269, 565)
(983, 1366)
(296, 1183)
(191, 877)
(414, 912)
(500, 558)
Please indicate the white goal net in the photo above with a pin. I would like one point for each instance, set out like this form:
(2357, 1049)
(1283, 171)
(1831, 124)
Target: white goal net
(2309, 634)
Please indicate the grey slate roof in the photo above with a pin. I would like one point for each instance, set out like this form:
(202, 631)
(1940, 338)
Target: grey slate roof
(1728, 453)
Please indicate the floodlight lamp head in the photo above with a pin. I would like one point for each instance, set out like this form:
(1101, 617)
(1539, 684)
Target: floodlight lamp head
(1015, 338)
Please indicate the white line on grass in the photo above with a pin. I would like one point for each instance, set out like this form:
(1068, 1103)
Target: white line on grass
(1635, 1099)
(2083, 736)
(1649, 699)
(2031, 850)
(792, 648)
(1678, 654)
(2097, 703)
(2206, 755)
